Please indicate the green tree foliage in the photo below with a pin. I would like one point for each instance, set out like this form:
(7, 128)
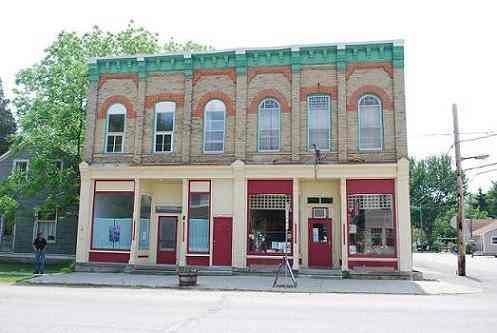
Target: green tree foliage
(50, 99)
(7, 122)
(433, 192)
(491, 200)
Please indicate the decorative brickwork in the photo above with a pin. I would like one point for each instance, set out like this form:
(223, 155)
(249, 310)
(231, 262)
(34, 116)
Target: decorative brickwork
(387, 67)
(150, 101)
(285, 70)
(386, 100)
(319, 89)
(106, 77)
(116, 99)
(198, 74)
(228, 101)
(285, 107)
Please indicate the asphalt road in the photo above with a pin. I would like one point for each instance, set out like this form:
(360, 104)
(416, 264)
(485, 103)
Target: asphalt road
(59, 309)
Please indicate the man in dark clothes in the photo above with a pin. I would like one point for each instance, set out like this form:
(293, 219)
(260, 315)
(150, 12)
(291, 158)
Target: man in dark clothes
(39, 246)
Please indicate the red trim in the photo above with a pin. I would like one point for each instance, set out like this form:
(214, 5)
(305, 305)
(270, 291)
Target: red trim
(316, 256)
(372, 186)
(109, 257)
(270, 186)
(269, 93)
(188, 216)
(386, 100)
(332, 91)
(254, 71)
(166, 257)
(150, 101)
(265, 261)
(364, 263)
(386, 66)
(197, 261)
(222, 247)
(200, 73)
(227, 100)
(93, 205)
(107, 103)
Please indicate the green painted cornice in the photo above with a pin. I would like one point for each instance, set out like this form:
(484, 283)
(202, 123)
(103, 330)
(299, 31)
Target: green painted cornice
(296, 57)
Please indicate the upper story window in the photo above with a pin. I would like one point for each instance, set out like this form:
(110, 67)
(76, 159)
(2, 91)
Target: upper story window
(214, 126)
(116, 124)
(20, 166)
(370, 123)
(164, 127)
(319, 120)
(269, 125)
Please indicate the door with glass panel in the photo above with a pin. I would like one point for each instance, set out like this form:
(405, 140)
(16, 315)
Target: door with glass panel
(320, 243)
(166, 240)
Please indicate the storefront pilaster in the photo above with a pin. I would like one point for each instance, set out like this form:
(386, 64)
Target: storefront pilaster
(296, 224)
(343, 223)
(133, 255)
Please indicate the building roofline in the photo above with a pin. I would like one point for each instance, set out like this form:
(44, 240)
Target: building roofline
(241, 50)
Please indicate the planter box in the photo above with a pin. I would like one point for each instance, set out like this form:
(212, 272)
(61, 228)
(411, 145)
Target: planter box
(187, 279)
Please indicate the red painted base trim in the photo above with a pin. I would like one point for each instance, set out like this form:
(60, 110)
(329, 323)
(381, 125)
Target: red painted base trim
(109, 257)
(265, 261)
(197, 261)
(373, 265)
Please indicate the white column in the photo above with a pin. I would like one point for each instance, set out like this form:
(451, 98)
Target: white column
(296, 224)
(182, 225)
(239, 215)
(404, 244)
(85, 214)
(344, 243)
(133, 256)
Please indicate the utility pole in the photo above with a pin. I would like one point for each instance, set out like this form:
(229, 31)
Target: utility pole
(461, 256)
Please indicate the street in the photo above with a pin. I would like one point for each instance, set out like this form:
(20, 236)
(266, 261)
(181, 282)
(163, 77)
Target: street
(63, 309)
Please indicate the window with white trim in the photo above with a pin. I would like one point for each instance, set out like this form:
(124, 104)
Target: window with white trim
(164, 127)
(116, 124)
(214, 126)
(46, 223)
(370, 115)
(269, 125)
(20, 166)
(319, 121)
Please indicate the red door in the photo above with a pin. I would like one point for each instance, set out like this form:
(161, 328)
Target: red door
(320, 243)
(166, 240)
(222, 241)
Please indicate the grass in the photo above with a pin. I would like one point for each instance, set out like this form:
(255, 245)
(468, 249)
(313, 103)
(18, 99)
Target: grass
(11, 272)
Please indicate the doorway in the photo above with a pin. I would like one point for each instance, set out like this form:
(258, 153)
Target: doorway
(166, 239)
(320, 243)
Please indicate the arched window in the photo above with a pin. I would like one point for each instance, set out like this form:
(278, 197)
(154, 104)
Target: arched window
(319, 121)
(214, 125)
(115, 129)
(370, 123)
(269, 125)
(164, 127)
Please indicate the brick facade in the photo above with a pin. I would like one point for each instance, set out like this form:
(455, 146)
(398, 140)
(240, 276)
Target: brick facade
(242, 91)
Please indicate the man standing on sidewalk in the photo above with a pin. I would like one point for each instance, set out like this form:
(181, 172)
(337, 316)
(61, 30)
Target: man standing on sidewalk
(39, 246)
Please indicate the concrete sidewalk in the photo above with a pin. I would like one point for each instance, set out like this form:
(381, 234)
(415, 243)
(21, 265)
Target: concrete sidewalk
(254, 283)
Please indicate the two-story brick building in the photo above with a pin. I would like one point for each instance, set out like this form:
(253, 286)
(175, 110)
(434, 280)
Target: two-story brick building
(191, 159)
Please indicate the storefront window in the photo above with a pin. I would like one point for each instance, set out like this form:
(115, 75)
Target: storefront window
(113, 219)
(371, 228)
(267, 224)
(198, 223)
(145, 212)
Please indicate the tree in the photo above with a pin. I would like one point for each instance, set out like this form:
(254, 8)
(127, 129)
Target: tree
(491, 200)
(50, 100)
(7, 122)
(434, 192)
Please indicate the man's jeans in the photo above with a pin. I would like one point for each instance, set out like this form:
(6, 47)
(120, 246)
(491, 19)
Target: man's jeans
(39, 261)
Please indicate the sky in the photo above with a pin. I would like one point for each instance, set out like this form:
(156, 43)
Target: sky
(450, 49)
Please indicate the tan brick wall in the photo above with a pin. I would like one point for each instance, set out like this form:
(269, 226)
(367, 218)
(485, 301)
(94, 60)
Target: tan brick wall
(110, 88)
(379, 78)
(242, 127)
(255, 90)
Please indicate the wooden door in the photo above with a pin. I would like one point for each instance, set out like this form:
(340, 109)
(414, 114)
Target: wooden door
(166, 240)
(222, 241)
(320, 243)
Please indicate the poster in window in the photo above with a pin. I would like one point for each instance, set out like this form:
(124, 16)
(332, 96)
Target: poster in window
(352, 249)
(352, 229)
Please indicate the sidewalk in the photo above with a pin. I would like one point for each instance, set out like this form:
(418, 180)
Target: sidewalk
(254, 283)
